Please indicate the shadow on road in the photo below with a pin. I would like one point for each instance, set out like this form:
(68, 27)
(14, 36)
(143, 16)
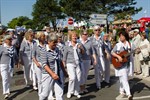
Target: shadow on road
(19, 73)
(137, 86)
(18, 92)
(88, 97)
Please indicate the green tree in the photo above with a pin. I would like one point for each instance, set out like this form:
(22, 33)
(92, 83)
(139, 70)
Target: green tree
(80, 9)
(118, 8)
(46, 11)
(20, 21)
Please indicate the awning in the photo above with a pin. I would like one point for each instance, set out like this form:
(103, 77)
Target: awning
(122, 21)
(144, 19)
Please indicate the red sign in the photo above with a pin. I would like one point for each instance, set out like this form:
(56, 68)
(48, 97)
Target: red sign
(70, 21)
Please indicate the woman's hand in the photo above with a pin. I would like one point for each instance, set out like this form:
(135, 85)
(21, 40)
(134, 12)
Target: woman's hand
(120, 59)
(95, 62)
(81, 48)
(38, 65)
(55, 76)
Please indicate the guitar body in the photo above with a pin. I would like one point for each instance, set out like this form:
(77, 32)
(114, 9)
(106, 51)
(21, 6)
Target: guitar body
(116, 62)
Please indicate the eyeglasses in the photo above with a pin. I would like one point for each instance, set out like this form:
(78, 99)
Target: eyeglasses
(96, 30)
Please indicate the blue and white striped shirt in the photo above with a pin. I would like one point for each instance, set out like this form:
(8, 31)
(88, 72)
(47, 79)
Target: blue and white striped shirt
(48, 57)
(37, 51)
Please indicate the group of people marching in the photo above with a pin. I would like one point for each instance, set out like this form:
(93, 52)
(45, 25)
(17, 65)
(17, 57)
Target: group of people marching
(47, 60)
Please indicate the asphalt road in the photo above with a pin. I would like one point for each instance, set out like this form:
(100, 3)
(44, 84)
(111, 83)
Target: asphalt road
(140, 88)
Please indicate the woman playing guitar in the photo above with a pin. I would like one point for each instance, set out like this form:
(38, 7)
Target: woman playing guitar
(122, 71)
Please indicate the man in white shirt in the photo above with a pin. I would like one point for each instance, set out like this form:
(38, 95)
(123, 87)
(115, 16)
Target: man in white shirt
(136, 41)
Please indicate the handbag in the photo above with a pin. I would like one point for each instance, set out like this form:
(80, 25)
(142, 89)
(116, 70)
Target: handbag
(146, 59)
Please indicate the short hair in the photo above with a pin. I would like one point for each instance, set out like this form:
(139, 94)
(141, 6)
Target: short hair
(84, 31)
(72, 33)
(52, 37)
(106, 35)
(144, 35)
(59, 35)
(96, 27)
(39, 34)
(125, 34)
(27, 34)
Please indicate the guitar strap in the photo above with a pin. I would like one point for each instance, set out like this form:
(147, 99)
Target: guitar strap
(128, 48)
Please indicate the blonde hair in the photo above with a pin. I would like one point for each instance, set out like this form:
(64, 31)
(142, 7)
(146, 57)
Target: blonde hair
(27, 34)
(72, 33)
(39, 34)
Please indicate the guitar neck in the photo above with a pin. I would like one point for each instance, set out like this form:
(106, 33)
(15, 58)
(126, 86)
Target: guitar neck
(128, 54)
(142, 47)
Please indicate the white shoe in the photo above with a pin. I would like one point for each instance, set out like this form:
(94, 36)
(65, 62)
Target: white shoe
(129, 97)
(52, 98)
(122, 94)
(35, 88)
(78, 96)
(68, 95)
(6, 96)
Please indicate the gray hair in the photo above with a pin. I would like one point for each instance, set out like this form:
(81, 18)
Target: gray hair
(52, 37)
(96, 27)
(59, 34)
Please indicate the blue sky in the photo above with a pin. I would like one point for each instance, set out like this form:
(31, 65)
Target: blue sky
(14, 8)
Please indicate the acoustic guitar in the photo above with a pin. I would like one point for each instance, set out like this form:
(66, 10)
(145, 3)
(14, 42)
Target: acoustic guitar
(125, 56)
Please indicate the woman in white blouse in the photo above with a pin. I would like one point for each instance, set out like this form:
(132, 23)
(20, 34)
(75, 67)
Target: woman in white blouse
(144, 54)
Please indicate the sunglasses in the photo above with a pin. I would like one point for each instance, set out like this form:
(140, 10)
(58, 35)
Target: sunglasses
(85, 34)
(96, 30)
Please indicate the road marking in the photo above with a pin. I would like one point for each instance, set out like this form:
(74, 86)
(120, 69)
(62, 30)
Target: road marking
(134, 98)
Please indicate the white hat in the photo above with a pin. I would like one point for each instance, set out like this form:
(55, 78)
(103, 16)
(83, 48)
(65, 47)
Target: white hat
(10, 30)
(136, 30)
(7, 37)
